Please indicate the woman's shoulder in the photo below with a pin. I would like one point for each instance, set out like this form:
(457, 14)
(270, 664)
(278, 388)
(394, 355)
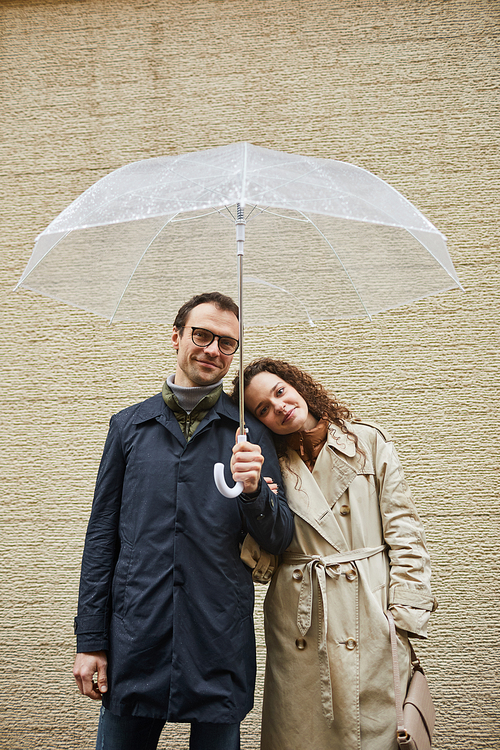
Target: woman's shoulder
(365, 427)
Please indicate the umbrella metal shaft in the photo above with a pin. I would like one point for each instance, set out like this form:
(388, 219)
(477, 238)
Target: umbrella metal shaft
(240, 243)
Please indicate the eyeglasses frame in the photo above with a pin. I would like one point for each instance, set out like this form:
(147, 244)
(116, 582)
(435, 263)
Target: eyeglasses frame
(214, 336)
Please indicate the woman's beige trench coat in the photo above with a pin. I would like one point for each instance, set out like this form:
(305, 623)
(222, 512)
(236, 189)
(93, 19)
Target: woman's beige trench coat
(358, 548)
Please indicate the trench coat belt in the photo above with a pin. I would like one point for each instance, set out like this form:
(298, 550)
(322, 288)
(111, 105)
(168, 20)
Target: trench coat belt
(322, 566)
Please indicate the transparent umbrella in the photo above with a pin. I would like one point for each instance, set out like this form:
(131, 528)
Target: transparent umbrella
(322, 239)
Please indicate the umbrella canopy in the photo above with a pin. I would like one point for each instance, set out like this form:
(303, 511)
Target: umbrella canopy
(324, 239)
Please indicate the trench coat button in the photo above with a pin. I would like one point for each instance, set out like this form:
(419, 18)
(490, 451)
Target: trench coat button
(300, 643)
(344, 510)
(297, 575)
(351, 574)
(350, 644)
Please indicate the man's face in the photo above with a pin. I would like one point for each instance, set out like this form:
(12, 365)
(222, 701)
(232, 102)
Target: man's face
(197, 366)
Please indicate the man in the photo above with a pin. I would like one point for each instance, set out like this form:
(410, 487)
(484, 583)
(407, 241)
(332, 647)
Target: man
(165, 606)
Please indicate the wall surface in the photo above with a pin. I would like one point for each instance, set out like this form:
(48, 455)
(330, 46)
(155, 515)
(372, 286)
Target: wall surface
(404, 88)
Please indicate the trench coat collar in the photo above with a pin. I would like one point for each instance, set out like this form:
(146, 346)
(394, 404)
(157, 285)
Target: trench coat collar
(340, 441)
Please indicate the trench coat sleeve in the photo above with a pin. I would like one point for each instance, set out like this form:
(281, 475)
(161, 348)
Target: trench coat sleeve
(410, 597)
(101, 547)
(267, 516)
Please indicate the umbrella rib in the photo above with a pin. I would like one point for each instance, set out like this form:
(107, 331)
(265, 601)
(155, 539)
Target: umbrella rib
(432, 230)
(200, 216)
(23, 277)
(340, 261)
(261, 211)
(218, 211)
(137, 266)
(281, 216)
(255, 280)
(243, 181)
(228, 209)
(253, 209)
(450, 274)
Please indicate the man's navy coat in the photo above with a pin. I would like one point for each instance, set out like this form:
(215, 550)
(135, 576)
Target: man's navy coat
(163, 588)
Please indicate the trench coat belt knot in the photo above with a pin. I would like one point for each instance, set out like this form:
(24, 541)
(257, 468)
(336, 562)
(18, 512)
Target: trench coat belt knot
(322, 566)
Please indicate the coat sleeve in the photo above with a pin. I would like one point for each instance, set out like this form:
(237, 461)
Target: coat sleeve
(410, 597)
(101, 548)
(267, 516)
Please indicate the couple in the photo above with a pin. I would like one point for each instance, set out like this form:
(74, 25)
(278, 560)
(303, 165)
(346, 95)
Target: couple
(165, 608)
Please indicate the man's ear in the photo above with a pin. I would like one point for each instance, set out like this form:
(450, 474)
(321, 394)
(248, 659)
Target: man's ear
(176, 336)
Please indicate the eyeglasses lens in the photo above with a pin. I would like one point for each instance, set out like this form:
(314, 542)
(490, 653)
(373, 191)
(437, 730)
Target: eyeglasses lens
(202, 337)
(228, 346)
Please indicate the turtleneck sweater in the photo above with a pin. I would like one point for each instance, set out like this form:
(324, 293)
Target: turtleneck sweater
(189, 398)
(308, 443)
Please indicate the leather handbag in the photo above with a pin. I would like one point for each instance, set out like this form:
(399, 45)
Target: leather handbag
(415, 715)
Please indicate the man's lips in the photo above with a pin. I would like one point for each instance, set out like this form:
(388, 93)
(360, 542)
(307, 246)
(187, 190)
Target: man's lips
(207, 363)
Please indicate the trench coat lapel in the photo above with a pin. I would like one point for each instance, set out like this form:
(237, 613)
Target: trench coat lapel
(333, 474)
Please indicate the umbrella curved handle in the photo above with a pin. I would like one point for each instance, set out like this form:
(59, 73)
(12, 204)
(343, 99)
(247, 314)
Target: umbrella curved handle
(220, 481)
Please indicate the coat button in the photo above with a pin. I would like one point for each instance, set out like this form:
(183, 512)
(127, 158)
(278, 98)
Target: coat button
(297, 575)
(300, 643)
(350, 644)
(344, 510)
(351, 574)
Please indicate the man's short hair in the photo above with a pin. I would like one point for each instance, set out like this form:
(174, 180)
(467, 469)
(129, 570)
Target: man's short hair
(222, 301)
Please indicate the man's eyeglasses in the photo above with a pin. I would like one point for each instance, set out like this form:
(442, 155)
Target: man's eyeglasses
(202, 337)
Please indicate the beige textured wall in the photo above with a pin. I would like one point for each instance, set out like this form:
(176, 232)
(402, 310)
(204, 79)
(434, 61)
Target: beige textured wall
(407, 89)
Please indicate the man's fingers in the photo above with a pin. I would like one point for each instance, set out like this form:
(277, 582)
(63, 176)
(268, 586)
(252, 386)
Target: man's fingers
(84, 671)
(247, 452)
(246, 465)
(89, 686)
(102, 678)
(246, 447)
(78, 682)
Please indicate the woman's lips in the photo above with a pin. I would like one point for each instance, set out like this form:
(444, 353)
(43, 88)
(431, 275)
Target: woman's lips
(288, 415)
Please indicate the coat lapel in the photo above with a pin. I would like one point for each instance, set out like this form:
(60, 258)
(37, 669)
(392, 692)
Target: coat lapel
(318, 492)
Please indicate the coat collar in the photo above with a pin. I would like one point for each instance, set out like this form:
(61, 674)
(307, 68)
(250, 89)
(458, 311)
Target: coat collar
(155, 407)
(225, 408)
(340, 441)
(150, 409)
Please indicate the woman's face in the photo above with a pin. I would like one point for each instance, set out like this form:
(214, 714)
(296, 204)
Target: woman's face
(278, 405)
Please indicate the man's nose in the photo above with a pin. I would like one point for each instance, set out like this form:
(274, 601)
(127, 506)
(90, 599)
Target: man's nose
(212, 348)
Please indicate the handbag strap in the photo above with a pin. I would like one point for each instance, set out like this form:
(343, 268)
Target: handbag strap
(402, 734)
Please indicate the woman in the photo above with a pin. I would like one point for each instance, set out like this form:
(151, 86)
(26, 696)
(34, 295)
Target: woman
(358, 549)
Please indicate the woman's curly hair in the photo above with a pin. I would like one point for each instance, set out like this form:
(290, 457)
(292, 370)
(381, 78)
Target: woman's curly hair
(319, 401)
